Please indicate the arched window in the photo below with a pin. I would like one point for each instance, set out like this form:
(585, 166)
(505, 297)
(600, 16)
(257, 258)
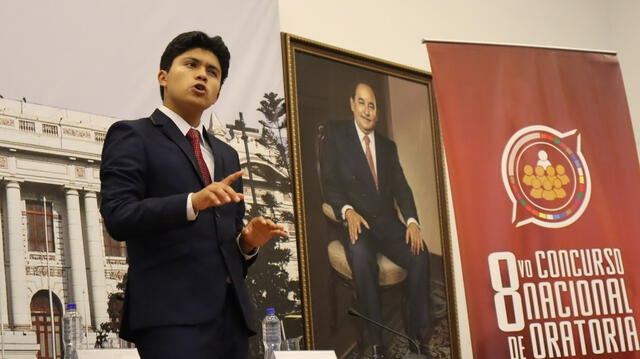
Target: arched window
(41, 320)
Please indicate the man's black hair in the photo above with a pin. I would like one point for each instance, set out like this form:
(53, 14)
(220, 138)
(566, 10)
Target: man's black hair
(195, 40)
(358, 83)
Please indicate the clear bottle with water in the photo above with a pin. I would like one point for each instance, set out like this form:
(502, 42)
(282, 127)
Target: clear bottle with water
(71, 331)
(271, 333)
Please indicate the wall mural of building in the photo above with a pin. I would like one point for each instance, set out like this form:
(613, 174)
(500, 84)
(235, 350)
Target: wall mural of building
(49, 219)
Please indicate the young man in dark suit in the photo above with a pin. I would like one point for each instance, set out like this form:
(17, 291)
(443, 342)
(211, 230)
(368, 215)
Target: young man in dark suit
(365, 185)
(173, 192)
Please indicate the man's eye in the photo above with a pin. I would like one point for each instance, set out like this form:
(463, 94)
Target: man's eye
(212, 73)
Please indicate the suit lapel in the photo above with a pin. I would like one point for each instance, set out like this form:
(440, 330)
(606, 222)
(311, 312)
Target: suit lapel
(216, 149)
(170, 130)
(380, 163)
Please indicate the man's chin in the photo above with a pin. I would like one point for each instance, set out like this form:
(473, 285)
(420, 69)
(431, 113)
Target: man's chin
(200, 103)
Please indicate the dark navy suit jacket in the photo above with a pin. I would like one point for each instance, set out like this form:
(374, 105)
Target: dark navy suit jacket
(347, 179)
(177, 268)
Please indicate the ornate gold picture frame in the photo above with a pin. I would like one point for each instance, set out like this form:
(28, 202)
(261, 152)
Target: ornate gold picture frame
(320, 83)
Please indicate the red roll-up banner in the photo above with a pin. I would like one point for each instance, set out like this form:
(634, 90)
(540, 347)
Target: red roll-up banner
(545, 182)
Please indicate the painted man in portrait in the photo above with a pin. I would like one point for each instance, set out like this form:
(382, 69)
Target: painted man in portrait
(365, 185)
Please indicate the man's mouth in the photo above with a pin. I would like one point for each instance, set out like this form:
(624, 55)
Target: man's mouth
(200, 88)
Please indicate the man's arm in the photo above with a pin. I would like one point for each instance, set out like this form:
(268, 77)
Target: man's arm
(404, 198)
(127, 213)
(332, 186)
(400, 187)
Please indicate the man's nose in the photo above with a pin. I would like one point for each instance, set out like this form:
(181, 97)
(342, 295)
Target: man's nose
(202, 74)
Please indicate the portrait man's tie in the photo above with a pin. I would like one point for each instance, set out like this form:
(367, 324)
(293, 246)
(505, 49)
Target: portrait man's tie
(367, 153)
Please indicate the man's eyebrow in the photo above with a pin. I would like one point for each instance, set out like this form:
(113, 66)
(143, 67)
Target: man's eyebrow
(192, 59)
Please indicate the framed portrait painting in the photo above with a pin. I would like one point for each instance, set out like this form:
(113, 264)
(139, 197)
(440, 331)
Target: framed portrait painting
(369, 202)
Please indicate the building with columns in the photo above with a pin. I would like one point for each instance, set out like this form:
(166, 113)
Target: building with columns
(52, 236)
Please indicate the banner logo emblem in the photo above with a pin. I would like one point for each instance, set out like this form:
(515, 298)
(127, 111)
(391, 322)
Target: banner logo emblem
(546, 177)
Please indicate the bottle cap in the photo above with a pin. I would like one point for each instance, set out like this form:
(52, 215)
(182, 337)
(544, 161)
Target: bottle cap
(271, 311)
(71, 306)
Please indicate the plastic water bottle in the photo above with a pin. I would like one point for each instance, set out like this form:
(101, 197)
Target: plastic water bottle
(71, 331)
(271, 333)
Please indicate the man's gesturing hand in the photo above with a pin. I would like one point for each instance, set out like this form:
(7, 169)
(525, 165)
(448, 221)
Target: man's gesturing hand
(355, 223)
(258, 232)
(217, 193)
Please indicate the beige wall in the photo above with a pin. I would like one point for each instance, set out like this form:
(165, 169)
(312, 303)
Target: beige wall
(412, 134)
(393, 30)
(623, 15)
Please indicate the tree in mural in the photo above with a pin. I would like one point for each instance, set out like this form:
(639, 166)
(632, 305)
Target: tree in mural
(114, 310)
(268, 280)
(272, 107)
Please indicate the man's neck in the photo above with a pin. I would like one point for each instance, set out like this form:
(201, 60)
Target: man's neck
(362, 132)
(191, 116)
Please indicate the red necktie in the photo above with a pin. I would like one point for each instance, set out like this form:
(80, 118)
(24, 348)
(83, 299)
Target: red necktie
(194, 137)
(367, 152)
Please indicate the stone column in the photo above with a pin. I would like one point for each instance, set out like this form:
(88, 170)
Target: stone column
(79, 290)
(96, 260)
(17, 252)
(4, 298)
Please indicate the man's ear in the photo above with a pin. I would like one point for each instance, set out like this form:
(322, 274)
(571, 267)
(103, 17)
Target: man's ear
(352, 103)
(162, 78)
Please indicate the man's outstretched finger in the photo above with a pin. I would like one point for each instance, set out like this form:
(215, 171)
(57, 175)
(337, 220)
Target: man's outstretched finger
(353, 234)
(366, 224)
(232, 177)
(270, 223)
(279, 233)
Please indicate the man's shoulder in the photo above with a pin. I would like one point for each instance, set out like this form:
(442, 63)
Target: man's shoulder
(221, 145)
(336, 127)
(384, 139)
(135, 125)
(339, 124)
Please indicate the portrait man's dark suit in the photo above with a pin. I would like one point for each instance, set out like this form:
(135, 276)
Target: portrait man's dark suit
(349, 186)
(348, 180)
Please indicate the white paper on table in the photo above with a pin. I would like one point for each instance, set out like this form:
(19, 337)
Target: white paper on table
(305, 354)
(108, 354)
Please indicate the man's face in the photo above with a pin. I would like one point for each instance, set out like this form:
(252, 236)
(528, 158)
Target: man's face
(364, 108)
(193, 80)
